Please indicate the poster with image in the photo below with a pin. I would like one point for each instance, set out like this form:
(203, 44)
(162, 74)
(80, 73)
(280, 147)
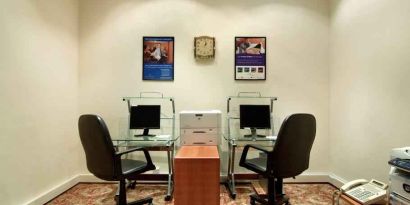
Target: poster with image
(158, 58)
(250, 58)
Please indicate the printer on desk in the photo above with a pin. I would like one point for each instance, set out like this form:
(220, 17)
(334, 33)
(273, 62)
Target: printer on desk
(400, 176)
(200, 127)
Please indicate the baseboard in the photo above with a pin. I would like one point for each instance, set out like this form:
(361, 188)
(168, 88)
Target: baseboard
(313, 177)
(89, 178)
(54, 192)
(336, 181)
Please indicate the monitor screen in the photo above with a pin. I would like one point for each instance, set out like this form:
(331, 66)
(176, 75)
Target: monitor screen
(254, 116)
(145, 117)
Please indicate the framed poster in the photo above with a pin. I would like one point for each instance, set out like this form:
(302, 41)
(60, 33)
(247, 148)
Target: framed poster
(158, 58)
(250, 58)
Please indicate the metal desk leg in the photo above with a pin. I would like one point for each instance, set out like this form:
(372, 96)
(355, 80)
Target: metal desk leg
(170, 154)
(231, 170)
(229, 162)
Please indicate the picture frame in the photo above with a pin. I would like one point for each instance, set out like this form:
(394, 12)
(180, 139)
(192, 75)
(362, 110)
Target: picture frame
(250, 58)
(158, 58)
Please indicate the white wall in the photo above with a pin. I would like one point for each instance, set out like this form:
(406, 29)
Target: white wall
(297, 56)
(38, 97)
(369, 85)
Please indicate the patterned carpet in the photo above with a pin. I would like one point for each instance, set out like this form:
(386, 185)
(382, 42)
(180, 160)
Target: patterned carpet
(103, 194)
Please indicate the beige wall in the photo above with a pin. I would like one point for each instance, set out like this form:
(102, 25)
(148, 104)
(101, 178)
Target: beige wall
(38, 97)
(369, 85)
(297, 56)
(361, 99)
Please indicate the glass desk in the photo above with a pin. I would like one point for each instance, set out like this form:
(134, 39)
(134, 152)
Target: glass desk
(235, 138)
(152, 143)
(241, 141)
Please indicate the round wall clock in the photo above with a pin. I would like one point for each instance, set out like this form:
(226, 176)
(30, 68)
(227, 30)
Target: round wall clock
(204, 47)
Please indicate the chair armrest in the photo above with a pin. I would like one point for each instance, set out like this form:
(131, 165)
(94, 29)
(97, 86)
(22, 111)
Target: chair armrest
(150, 165)
(257, 147)
(129, 150)
(247, 165)
(245, 152)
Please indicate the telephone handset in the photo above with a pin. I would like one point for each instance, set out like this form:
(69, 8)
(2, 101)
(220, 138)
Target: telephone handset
(363, 191)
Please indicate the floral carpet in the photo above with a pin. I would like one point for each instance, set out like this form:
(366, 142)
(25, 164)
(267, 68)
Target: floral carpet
(103, 194)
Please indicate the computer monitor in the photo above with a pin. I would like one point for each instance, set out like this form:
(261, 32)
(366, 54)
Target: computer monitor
(254, 117)
(145, 117)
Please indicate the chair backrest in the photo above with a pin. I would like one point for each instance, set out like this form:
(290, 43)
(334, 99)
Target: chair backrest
(98, 147)
(291, 151)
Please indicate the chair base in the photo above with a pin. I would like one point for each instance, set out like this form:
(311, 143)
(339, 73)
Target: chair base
(263, 199)
(143, 201)
(121, 197)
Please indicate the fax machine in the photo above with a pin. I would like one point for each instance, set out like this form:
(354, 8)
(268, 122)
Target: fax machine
(400, 176)
(200, 127)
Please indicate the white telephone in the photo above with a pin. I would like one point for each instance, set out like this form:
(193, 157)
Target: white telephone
(363, 191)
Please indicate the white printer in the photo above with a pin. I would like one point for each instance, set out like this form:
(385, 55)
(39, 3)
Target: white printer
(400, 176)
(200, 127)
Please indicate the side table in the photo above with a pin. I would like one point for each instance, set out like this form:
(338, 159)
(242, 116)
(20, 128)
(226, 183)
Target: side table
(196, 172)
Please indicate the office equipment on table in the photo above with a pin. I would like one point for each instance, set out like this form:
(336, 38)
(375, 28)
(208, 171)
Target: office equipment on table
(233, 134)
(399, 176)
(105, 163)
(362, 191)
(254, 117)
(200, 127)
(289, 157)
(197, 176)
(145, 117)
(162, 139)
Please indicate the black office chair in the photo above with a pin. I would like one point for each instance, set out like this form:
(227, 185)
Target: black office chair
(288, 158)
(104, 162)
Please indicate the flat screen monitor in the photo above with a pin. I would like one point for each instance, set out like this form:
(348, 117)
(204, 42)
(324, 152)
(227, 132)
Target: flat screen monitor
(254, 117)
(145, 117)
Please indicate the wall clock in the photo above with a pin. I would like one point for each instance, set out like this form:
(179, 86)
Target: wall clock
(204, 47)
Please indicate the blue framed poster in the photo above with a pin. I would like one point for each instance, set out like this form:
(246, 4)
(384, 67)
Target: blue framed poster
(250, 58)
(158, 58)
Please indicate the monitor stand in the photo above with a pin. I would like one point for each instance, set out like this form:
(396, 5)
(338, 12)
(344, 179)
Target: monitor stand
(253, 134)
(145, 134)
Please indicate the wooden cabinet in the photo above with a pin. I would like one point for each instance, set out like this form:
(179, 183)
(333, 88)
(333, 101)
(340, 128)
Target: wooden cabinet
(196, 176)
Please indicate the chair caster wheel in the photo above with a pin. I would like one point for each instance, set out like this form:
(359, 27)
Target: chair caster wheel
(132, 185)
(167, 198)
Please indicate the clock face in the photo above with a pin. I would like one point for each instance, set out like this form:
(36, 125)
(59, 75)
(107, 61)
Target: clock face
(204, 47)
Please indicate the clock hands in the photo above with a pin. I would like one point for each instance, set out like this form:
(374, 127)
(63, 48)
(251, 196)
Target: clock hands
(204, 47)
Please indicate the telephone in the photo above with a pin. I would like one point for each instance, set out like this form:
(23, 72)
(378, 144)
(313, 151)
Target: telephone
(363, 191)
